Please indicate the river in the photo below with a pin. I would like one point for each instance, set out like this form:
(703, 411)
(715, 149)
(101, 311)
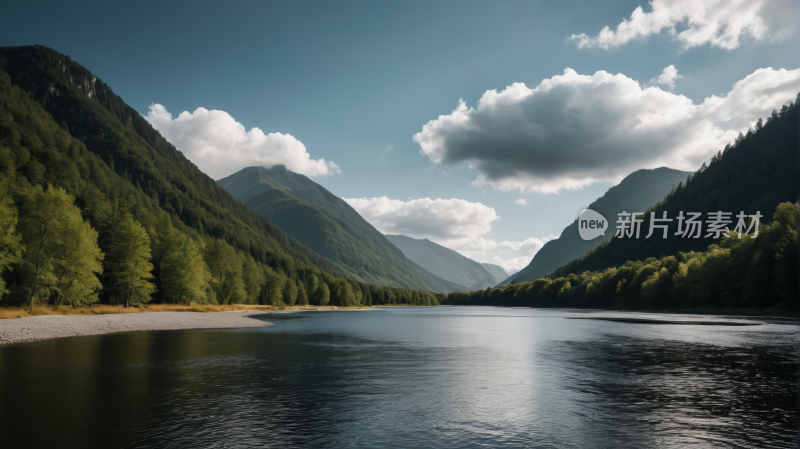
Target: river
(452, 377)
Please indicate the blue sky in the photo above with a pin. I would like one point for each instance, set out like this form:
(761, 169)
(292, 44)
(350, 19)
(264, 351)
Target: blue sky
(347, 80)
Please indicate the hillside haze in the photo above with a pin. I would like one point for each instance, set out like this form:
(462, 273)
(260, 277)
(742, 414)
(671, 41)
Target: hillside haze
(499, 273)
(444, 262)
(638, 191)
(330, 226)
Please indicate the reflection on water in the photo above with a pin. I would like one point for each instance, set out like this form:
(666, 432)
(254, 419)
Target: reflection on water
(410, 377)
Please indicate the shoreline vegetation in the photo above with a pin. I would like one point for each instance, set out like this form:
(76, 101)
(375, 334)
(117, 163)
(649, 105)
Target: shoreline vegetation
(111, 309)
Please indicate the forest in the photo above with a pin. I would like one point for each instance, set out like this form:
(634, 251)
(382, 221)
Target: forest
(754, 272)
(78, 229)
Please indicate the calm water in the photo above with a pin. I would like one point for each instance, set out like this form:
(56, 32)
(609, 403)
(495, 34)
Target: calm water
(410, 377)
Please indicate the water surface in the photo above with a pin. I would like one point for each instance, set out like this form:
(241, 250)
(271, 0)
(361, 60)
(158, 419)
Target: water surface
(411, 377)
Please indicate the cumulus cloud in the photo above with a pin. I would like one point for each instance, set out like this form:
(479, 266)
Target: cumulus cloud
(418, 218)
(453, 223)
(220, 146)
(667, 77)
(522, 202)
(718, 23)
(572, 130)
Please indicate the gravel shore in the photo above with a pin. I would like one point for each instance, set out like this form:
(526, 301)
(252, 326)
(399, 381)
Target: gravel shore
(45, 327)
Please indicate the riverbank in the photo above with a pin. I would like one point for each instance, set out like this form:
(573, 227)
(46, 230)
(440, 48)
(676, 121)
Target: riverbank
(18, 325)
(104, 309)
(47, 327)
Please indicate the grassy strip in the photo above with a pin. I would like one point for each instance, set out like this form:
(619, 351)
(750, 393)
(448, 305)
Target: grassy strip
(101, 309)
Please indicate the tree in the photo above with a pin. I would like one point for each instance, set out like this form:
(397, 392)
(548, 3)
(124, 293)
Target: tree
(272, 291)
(253, 277)
(226, 271)
(10, 239)
(290, 292)
(47, 215)
(322, 296)
(184, 276)
(312, 283)
(78, 262)
(302, 296)
(129, 262)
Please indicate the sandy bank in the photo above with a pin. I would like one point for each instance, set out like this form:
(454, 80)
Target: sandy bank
(46, 327)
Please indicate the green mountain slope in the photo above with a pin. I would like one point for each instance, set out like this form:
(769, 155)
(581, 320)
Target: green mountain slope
(444, 262)
(496, 271)
(638, 191)
(758, 172)
(119, 138)
(327, 224)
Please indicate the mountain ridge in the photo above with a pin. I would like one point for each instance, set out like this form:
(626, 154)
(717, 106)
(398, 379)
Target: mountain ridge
(636, 192)
(330, 226)
(444, 262)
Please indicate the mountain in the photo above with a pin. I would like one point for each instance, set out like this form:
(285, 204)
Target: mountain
(444, 262)
(119, 137)
(752, 272)
(756, 173)
(496, 271)
(73, 151)
(327, 224)
(638, 191)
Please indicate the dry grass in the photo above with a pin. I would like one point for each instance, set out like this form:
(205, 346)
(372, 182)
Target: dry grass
(100, 309)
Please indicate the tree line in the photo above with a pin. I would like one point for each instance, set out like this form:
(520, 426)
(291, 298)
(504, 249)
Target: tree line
(49, 254)
(754, 272)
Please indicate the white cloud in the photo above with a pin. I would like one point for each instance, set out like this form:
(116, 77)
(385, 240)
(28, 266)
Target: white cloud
(513, 265)
(522, 202)
(572, 130)
(220, 146)
(667, 77)
(453, 223)
(718, 23)
(419, 218)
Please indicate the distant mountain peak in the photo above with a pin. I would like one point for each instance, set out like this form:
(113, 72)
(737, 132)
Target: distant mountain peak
(636, 192)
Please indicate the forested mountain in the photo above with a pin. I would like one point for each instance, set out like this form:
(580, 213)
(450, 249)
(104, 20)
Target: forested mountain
(444, 262)
(755, 271)
(123, 140)
(327, 224)
(96, 206)
(753, 174)
(496, 271)
(638, 191)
